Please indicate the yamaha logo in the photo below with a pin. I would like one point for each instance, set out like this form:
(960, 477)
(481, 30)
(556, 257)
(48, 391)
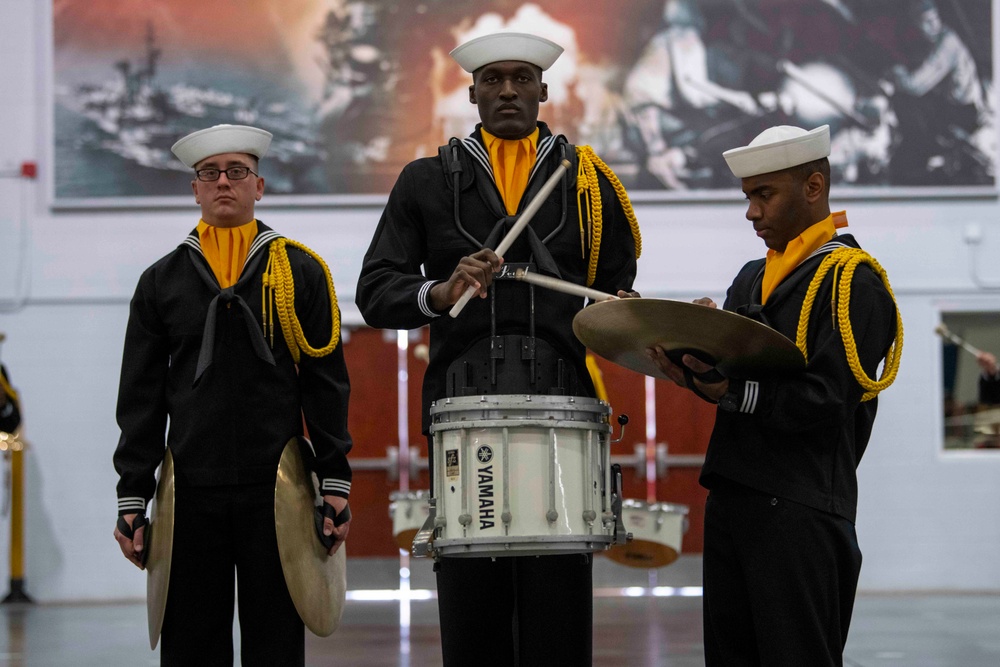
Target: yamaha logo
(487, 516)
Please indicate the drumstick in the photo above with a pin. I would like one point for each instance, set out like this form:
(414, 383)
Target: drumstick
(521, 223)
(562, 286)
(943, 331)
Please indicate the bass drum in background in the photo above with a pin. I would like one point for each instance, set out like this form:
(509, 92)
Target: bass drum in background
(657, 530)
(409, 511)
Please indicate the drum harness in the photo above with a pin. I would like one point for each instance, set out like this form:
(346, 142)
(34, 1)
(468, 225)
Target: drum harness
(590, 224)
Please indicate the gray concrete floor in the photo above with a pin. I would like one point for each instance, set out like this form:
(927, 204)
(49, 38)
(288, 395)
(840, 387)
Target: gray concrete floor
(898, 630)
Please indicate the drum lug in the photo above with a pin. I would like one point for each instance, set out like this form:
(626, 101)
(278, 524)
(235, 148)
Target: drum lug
(620, 536)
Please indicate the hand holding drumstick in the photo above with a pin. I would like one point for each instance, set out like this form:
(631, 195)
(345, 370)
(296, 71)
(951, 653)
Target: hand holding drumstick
(508, 240)
(473, 272)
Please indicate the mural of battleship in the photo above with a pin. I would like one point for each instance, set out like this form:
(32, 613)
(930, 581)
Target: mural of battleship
(124, 127)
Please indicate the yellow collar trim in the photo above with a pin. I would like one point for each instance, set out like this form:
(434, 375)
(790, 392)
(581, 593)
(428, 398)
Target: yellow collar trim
(779, 265)
(512, 161)
(226, 249)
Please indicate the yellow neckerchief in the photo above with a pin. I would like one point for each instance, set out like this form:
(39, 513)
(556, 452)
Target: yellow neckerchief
(226, 249)
(779, 265)
(512, 161)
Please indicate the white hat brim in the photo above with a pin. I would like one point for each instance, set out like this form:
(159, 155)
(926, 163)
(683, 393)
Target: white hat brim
(219, 139)
(771, 156)
(503, 46)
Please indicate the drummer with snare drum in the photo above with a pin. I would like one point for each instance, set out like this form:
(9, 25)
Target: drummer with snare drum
(434, 241)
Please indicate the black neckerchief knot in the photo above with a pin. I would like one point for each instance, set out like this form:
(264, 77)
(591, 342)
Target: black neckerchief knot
(228, 296)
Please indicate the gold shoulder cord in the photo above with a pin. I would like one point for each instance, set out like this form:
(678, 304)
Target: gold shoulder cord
(279, 293)
(846, 260)
(588, 196)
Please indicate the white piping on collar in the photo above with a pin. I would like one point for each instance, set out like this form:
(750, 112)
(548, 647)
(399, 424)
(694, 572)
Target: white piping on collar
(478, 151)
(260, 241)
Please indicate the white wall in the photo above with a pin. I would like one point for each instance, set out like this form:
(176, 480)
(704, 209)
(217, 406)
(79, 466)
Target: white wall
(926, 521)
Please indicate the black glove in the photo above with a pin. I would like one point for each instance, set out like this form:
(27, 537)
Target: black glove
(330, 511)
(128, 531)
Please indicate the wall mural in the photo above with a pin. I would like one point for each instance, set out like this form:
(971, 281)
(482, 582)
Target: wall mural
(354, 89)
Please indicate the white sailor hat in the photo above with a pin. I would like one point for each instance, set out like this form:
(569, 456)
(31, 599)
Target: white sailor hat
(777, 148)
(218, 139)
(502, 46)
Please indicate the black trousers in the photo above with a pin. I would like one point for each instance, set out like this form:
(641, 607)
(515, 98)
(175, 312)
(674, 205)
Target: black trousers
(780, 580)
(219, 533)
(524, 610)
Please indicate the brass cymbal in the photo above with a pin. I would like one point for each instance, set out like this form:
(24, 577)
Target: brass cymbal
(622, 330)
(160, 542)
(317, 582)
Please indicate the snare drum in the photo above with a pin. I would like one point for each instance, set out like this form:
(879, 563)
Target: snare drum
(409, 510)
(518, 475)
(656, 528)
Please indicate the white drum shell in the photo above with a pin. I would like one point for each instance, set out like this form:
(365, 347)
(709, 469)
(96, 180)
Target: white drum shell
(409, 511)
(657, 531)
(521, 475)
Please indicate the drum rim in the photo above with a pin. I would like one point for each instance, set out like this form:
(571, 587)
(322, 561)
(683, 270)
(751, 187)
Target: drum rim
(477, 401)
(534, 422)
(522, 544)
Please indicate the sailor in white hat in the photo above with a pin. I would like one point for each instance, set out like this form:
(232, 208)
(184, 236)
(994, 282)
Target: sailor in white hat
(515, 60)
(781, 560)
(225, 360)
(435, 240)
(785, 174)
(225, 159)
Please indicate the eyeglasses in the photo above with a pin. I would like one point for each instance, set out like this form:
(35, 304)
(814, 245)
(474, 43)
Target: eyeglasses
(233, 173)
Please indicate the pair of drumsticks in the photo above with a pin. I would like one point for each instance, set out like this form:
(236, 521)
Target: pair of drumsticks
(534, 278)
